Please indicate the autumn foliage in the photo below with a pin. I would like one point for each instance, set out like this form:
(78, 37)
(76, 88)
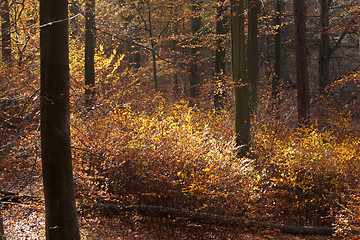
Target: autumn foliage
(140, 146)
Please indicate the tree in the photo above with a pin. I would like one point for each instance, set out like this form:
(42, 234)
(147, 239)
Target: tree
(325, 50)
(177, 89)
(195, 51)
(241, 86)
(61, 217)
(253, 59)
(275, 87)
(220, 63)
(302, 82)
(152, 44)
(5, 31)
(132, 50)
(90, 43)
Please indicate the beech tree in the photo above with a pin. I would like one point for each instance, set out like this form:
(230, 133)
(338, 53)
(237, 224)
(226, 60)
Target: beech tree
(61, 217)
(253, 55)
(132, 50)
(275, 87)
(302, 81)
(195, 51)
(5, 31)
(152, 44)
(220, 63)
(325, 51)
(90, 42)
(241, 86)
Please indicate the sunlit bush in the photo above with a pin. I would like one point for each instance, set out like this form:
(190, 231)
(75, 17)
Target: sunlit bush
(304, 173)
(167, 156)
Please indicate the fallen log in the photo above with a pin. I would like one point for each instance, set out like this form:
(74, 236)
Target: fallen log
(208, 218)
(11, 197)
(193, 216)
(293, 229)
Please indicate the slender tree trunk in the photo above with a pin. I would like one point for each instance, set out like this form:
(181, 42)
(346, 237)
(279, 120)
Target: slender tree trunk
(220, 64)
(133, 54)
(5, 31)
(241, 86)
(284, 70)
(174, 44)
(302, 81)
(195, 52)
(61, 217)
(136, 58)
(325, 51)
(90, 43)
(253, 55)
(275, 87)
(152, 44)
(132, 50)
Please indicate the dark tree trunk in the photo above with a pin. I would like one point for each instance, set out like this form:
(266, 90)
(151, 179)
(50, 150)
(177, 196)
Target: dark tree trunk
(195, 52)
(253, 57)
(325, 51)
(220, 63)
(5, 31)
(302, 81)
(90, 42)
(152, 44)
(241, 86)
(275, 87)
(177, 89)
(61, 217)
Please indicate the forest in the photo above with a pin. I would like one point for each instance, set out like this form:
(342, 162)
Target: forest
(180, 119)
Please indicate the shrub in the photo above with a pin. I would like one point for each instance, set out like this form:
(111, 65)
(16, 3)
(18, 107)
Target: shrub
(167, 155)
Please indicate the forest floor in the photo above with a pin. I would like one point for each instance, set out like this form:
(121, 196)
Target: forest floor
(139, 227)
(22, 222)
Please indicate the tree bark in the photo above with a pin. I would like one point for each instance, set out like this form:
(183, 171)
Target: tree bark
(241, 86)
(275, 87)
(61, 217)
(195, 52)
(5, 31)
(90, 43)
(132, 50)
(302, 82)
(152, 44)
(177, 89)
(220, 64)
(325, 49)
(253, 54)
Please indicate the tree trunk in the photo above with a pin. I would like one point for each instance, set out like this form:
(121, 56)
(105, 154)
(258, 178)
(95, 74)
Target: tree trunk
(61, 217)
(241, 86)
(325, 51)
(275, 87)
(132, 50)
(152, 44)
(177, 89)
(302, 82)
(5, 31)
(220, 64)
(90, 42)
(253, 54)
(195, 52)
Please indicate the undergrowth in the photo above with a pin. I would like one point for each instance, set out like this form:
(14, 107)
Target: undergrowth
(138, 146)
